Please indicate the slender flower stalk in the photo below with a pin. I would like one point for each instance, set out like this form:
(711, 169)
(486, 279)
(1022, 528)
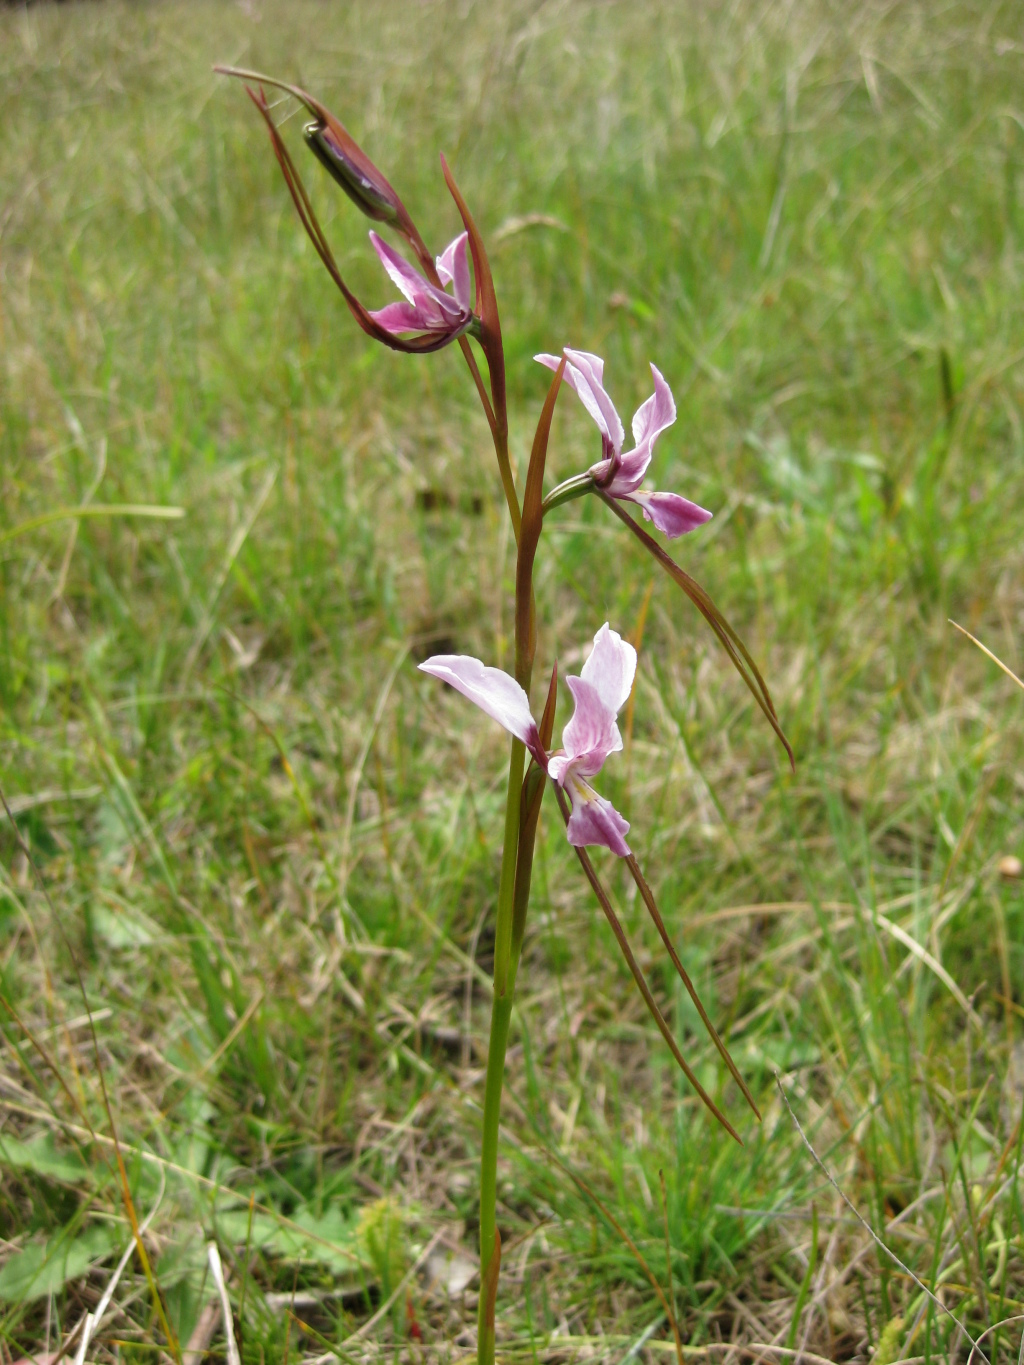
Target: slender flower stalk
(428, 318)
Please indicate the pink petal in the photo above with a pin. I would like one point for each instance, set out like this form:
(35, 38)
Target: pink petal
(590, 387)
(659, 411)
(419, 291)
(592, 362)
(591, 734)
(496, 694)
(407, 317)
(595, 821)
(577, 382)
(672, 514)
(595, 362)
(453, 268)
(629, 474)
(610, 669)
(405, 278)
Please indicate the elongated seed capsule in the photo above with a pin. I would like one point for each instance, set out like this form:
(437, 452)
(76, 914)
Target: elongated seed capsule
(359, 187)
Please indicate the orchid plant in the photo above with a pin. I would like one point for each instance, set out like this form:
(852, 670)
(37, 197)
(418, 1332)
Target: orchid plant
(429, 318)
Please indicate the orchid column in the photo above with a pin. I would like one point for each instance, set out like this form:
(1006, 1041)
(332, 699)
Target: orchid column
(429, 318)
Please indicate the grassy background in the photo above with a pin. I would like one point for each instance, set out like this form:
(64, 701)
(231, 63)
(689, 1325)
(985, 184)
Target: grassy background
(270, 846)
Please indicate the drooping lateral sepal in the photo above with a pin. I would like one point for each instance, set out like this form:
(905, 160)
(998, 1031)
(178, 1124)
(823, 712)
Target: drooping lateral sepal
(652, 909)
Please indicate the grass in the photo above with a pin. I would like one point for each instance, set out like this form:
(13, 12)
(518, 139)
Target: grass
(270, 847)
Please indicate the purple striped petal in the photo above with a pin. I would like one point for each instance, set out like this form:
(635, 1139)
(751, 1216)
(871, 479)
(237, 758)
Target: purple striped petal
(496, 694)
(407, 317)
(419, 291)
(658, 412)
(589, 385)
(579, 385)
(584, 374)
(591, 734)
(404, 276)
(672, 514)
(595, 821)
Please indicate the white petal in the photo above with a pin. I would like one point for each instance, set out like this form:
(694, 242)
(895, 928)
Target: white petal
(611, 668)
(496, 694)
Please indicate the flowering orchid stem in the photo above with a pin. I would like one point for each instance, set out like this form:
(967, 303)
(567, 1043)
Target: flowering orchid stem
(522, 812)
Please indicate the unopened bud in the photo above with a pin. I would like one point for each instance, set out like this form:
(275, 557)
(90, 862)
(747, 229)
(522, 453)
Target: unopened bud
(372, 194)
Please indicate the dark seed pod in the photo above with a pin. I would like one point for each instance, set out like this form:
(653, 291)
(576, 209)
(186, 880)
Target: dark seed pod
(367, 195)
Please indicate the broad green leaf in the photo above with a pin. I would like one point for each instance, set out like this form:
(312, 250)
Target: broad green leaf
(330, 1240)
(45, 1267)
(40, 1155)
(120, 928)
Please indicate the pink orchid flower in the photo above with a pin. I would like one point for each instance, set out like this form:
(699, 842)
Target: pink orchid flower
(427, 310)
(621, 475)
(600, 692)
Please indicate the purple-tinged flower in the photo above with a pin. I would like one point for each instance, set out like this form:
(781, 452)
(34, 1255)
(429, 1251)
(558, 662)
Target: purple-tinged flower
(428, 310)
(621, 475)
(590, 736)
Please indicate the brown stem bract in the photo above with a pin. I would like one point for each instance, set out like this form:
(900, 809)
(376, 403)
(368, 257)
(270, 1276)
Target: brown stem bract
(533, 521)
(490, 339)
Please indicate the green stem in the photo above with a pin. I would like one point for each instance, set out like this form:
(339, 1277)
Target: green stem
(506, 887)
(501, 1013)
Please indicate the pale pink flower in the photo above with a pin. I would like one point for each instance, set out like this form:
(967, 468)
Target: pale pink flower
(590, 736)
(621, 475)
(428, 310)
